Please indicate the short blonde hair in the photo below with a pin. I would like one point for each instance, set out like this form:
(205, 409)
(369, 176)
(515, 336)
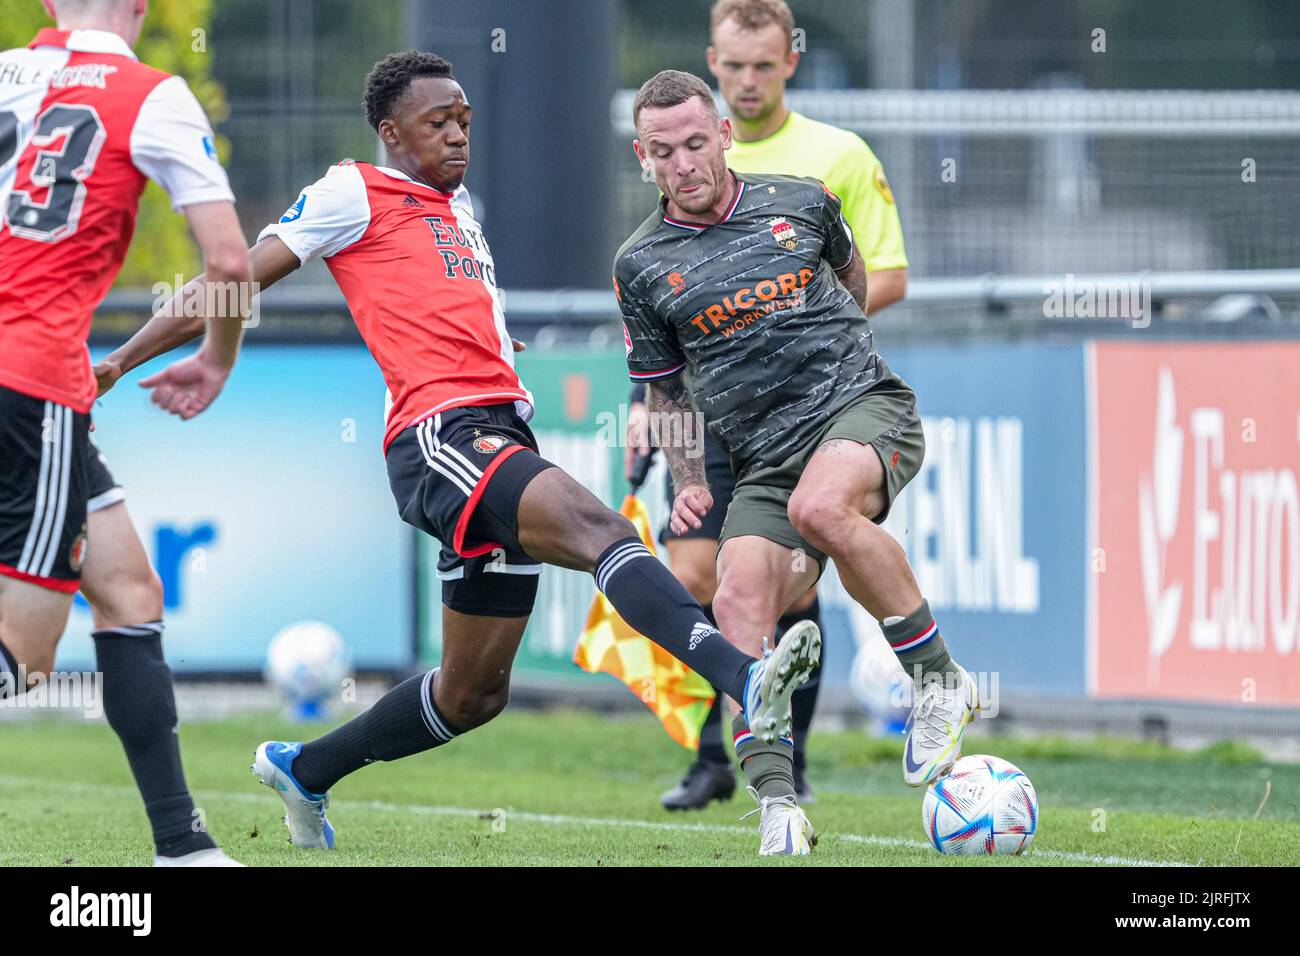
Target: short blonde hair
(754, 14)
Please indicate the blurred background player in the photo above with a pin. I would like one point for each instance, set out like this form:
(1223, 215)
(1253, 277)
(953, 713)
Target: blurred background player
(752, 57)
(462, 463)
(83, 124)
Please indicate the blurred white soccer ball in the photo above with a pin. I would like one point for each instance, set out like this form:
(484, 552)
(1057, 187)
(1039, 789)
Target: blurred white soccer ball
(984, 806)
(308, 661)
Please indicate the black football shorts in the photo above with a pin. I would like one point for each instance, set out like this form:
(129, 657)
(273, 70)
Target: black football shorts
(43, 491)
(458, 476)
(102, 489)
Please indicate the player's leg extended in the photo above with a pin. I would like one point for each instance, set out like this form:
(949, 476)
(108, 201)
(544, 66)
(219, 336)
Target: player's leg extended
(759, 578)
(561, 522)
(693, 561)
(126, 599)
(469, 687)
(842, 488)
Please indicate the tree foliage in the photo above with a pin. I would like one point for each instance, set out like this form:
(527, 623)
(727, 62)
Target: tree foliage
(176, 39)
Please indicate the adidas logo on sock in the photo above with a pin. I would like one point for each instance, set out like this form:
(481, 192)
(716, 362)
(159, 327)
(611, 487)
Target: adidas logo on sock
(411, 201)
(698, 633)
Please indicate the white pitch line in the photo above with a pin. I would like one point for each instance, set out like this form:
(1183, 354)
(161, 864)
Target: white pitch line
(553, 819)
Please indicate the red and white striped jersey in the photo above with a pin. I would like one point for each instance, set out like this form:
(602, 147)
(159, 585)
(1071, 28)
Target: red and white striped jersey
(420, 283)
(82, 125)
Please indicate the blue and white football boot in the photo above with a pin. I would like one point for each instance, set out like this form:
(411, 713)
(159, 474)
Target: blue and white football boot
(304, 811)
(774, 679)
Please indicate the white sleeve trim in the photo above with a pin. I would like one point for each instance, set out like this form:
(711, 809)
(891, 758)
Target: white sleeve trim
(328, 216)
(172, 144)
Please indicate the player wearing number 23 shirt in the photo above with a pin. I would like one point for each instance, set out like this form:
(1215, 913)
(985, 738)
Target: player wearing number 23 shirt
(83, 126)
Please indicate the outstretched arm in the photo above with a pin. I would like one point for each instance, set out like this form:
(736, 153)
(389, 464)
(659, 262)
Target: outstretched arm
(170, 327)
(680, 433)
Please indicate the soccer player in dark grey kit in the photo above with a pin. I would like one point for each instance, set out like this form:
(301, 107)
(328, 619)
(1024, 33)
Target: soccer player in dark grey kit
(743, 296)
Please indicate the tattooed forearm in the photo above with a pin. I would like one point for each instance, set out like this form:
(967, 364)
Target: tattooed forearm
(854, 277)
(677, 429)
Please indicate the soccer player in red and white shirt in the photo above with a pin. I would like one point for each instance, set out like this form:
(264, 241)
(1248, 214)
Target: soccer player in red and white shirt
(83, 125)
(402, 243)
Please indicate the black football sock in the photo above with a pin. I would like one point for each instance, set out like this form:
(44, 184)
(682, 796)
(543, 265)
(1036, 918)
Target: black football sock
(769, 767)
(403, 722)
(918, 645)
(140, 705)
(8, 675)
(656, 604)
(712, 747)
(803, 702)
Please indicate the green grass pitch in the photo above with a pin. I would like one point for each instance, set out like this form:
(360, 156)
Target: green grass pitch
(574, 788)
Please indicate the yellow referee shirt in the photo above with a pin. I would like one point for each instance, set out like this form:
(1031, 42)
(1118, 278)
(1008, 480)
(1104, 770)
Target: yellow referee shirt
(848, 167)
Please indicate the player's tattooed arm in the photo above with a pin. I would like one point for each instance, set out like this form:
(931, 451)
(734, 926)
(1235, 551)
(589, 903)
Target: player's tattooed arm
(681, 436)
(854, 278)
(670, 403)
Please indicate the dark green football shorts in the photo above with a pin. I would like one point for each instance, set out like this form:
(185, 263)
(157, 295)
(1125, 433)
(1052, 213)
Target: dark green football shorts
(885, 418)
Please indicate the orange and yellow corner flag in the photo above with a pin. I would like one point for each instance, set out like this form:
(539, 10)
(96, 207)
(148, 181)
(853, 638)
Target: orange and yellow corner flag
(679, 697)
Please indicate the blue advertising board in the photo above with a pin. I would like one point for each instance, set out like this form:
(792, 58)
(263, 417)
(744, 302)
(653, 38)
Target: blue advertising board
(270, 508)
(995, 524)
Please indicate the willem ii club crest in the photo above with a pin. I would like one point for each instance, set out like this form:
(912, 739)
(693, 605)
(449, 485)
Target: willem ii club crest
(489, 444)
(784, 233)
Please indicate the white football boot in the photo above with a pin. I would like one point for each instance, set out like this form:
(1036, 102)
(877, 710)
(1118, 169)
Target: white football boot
(304, 811)
(783, 828)
(935, 728)
(773, 680)
(214, 856)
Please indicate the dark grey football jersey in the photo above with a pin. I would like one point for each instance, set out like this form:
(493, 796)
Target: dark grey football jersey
(751, 311)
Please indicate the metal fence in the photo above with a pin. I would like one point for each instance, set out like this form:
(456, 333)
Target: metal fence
(1056, 181)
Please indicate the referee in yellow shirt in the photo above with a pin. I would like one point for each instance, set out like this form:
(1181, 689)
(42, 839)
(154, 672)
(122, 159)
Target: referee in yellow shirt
(752, 56)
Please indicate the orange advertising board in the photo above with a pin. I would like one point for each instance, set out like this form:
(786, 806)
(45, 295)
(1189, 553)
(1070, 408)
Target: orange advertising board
(1195, 521)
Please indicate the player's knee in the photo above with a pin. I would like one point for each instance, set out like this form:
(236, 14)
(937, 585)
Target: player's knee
(607, 526)
(30, 666)
(128, 595)
(737, 600)
(823, 523)
(474, 707)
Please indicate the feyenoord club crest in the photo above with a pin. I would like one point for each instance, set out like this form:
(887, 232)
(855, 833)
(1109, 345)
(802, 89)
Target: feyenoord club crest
(489, 444)
(783, 233)
(77, 555)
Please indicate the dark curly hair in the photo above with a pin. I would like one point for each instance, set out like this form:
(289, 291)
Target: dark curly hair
(391, 78)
